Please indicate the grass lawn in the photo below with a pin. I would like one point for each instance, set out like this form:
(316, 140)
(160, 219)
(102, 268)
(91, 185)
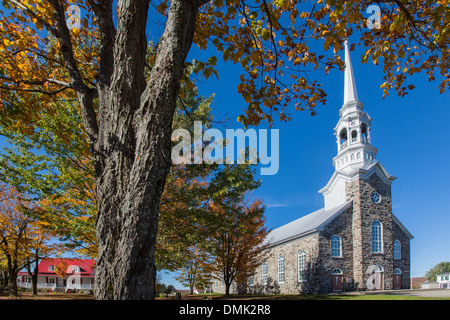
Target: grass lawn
(329, 297)
(48, 296)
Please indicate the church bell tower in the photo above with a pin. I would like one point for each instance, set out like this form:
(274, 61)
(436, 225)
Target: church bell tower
(354, 148)
(355, 154)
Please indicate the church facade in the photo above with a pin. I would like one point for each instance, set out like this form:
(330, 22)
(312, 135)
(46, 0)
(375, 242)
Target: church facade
(354, 242)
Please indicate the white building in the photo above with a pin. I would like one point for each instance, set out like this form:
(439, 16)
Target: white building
(66, 274)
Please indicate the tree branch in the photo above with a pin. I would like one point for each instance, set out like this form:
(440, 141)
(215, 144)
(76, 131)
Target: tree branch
(34, 15)
(84, 93)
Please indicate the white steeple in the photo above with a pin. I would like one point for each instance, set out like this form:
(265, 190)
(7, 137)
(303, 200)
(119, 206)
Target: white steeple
(353, 129)
(350, 93)
(356, 157)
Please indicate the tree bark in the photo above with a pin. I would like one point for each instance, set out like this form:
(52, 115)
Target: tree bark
(133, 149)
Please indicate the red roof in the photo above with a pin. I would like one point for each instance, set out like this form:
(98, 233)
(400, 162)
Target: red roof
(85, 267)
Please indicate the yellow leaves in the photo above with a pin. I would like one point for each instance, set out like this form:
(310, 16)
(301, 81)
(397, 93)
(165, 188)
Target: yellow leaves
(265, 34)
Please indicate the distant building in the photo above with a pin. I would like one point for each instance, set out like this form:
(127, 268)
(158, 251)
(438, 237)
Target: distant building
(78, 274)
(442, 282)
(417, 282)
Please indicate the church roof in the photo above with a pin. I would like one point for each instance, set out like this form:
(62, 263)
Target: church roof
(305, 225)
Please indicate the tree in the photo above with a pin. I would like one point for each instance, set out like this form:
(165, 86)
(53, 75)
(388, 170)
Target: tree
(194, 272)
(52, 165)
(22, 240)
(127, 116)
(437, 269)
(237, 235)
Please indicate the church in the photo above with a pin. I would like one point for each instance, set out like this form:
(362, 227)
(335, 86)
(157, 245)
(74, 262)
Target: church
(354, 242)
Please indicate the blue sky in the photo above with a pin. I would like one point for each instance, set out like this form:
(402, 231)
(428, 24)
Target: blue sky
(412, 136)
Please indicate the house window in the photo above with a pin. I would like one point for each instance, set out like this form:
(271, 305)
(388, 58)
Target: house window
(377, 237)
(75, 269)
(301, 266)
(397, 250)
(264, 272)
(280, 269)
(336, 246)
(51, 268)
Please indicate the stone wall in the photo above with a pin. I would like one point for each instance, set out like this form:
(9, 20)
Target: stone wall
(342, 227)
(291, 285)
(404, 264)
(364, 214)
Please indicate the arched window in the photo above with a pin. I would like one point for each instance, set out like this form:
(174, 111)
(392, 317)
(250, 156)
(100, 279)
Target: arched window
(397, 271)
(364, 134)
(280, 269)
(343, 138)
(354, 136)
(264, 272)
(301, 266)
(336, 246)
(377, 237)
(336, 271)
(397, 250)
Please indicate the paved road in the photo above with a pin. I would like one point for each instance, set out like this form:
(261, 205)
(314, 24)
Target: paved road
(437, 293)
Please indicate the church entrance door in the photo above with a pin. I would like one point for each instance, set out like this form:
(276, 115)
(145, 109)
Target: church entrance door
(379, 278)
(336, 280)
(397, 279)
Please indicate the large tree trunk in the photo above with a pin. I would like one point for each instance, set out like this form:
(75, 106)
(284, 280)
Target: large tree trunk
(12, 276)
(133, 149)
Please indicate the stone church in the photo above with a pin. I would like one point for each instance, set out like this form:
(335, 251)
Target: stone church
(354, 242)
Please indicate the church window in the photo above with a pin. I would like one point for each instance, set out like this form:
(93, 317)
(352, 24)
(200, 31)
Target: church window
(301, 266)
(397, 250)
(264, 272)
(280, 269)
(336, 246)
(343, 138)
(336, 271)
(364, 133)
(354, 136)
(377, 237)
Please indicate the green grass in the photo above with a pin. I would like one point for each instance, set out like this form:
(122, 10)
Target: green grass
(324, 297)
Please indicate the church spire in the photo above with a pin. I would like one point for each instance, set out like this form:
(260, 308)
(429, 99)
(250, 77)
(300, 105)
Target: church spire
(355, 150)
(350, 93)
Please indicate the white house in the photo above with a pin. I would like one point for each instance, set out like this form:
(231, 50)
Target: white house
(66, 274)
(444, 280)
